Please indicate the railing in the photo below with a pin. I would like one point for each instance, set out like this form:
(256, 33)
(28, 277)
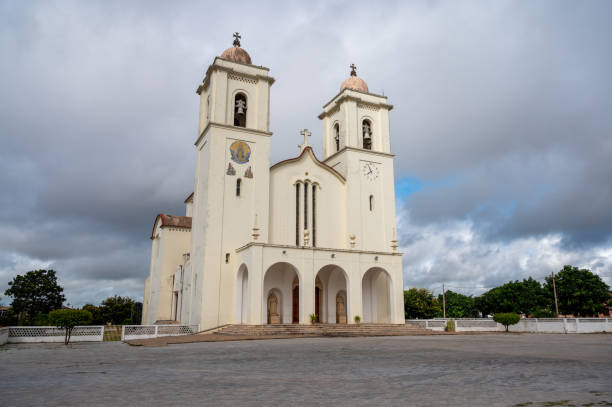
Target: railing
(536, 325)
(21, 334)
(129, 332)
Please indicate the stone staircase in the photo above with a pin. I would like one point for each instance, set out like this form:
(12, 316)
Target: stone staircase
(283, 330)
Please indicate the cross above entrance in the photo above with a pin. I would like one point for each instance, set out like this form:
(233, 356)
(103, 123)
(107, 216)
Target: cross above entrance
(305, 144)
(353, 70)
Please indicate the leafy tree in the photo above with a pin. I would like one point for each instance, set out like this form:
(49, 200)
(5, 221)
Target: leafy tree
(67, 319)
(506, 319)
(420, 303)
(37, 292)
(96, 313)
(521, 297)
(458, 305)
(8, 318)
(579, 291)
(118, 310)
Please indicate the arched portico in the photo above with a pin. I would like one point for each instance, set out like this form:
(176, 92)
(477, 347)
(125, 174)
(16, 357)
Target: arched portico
(281, 288)
(377, 292)
(332, 282)
(242, 295)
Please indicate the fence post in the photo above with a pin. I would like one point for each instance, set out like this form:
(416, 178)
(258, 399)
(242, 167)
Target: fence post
(577, 325)
(565, 325)
(426, 324)
(123, 332)
(156, 326)
(537, 326)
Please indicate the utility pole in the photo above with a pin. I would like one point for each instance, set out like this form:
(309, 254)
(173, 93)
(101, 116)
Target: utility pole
(555, 293)
(444, 302)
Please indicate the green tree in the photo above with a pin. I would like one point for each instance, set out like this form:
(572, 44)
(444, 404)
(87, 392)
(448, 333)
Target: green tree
(420, 303)
(96, 314)
(118, 310)
(507, 319)
(67, 319)
(521, 297)
(579, 291)
(458, 305)
(37, 292)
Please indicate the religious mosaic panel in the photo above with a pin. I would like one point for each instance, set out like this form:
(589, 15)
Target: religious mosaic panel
(240, 152)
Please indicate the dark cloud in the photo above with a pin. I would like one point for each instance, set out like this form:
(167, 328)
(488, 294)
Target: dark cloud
(502, 115)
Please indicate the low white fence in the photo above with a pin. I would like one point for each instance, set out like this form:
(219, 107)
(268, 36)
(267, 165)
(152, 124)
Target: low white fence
(22, 334)
(129, 332)
(535, 325)
(4, 335)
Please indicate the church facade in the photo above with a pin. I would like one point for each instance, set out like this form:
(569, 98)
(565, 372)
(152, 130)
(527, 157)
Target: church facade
(299, 240)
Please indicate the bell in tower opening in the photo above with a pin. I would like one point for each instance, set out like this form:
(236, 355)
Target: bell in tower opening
(240, 108)
(367, 135)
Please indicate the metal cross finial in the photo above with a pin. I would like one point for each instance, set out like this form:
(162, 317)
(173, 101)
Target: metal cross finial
(237, 39)
(306, 134)
(353, 70)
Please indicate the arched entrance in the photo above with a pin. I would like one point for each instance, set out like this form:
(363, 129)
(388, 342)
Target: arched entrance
(242, 295)
(376, 289)
(331, 281)
(281, 290)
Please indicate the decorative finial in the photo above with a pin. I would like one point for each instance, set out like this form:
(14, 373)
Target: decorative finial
(353, 70)
(305, 144)
(237, 39)
(255, 233)
(394, 241)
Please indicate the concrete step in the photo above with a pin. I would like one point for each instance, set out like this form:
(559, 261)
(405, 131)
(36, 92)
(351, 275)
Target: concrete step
(323, 330)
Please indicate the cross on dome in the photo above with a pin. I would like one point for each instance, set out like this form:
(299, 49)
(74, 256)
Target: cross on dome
(353, 70)
(305, 144)
(237, 38)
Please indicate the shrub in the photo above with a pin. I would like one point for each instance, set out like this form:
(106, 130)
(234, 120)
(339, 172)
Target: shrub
(41, 320)
(68, 319)
(313, 318)
(507, 319)
(357, 319)
(543, 313)
(450, 326)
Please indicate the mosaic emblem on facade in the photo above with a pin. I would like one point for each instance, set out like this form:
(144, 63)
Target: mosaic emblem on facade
(240, 151)
(248, 173)
(230, 169)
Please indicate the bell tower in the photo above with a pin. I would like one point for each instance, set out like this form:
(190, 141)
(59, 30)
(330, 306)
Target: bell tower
(356, 143)
(231, 186)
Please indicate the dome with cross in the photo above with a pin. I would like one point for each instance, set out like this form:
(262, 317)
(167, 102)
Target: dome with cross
(354, 82)
(236, 53)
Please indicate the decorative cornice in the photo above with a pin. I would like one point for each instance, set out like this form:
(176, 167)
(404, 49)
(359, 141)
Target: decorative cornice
(236, 128)
(214, 67)
(362, 150)
(347, 90)
(315, 159)
(323, 249)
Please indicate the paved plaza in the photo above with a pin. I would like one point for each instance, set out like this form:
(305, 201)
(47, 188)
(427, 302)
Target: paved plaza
(458, 370)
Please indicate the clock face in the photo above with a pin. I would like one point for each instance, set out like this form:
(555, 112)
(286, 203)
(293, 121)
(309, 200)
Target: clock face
(370, 171)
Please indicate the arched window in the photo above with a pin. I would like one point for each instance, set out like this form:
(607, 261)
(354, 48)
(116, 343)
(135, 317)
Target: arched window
(371, 203)
(337, 136)
(240, 109)
(208, 108)
(238, 184)
(367, 134)
(314, 218)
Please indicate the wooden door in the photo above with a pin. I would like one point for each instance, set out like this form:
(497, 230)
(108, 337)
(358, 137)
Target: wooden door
(296, 304)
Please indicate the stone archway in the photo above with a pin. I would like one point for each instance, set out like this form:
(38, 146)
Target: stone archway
(242, 295)
(376, 291)
(282, 280)
(331, 280)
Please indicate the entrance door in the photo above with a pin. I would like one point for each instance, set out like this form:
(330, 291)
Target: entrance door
(317, 308)
(296, 304)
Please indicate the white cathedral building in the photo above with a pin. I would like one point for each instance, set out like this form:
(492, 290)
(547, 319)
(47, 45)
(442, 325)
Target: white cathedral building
(304, 238)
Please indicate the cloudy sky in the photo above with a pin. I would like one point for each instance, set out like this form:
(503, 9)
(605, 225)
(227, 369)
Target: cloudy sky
(502, 127)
